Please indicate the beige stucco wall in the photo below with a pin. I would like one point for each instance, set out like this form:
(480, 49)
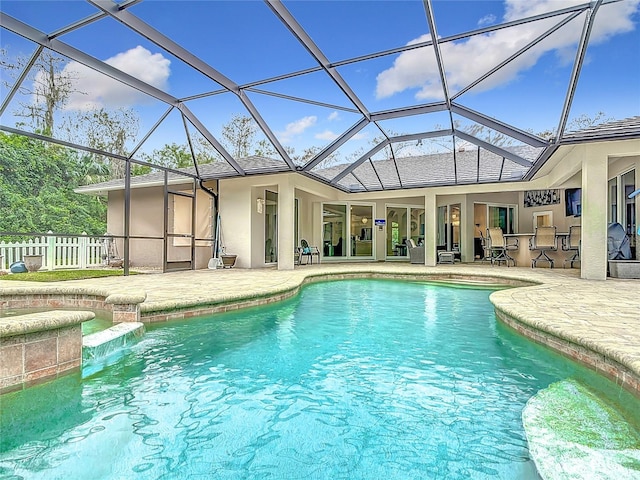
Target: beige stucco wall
(147, 220)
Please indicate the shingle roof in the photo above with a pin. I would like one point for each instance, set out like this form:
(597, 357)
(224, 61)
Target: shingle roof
(618, 129)
(475, 165)
(470, 166)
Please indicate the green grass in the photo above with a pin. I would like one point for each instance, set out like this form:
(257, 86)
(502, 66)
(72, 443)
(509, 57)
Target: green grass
(62, 275)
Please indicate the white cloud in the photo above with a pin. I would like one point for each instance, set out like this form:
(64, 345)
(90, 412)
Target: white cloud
(334, 116)
(467, 60)
(296, 128)
(98, 90)
(487, 20)
(326, 135)
(360, 136)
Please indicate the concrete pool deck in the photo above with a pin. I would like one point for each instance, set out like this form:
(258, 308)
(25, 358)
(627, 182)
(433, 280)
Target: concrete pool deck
(594, 322)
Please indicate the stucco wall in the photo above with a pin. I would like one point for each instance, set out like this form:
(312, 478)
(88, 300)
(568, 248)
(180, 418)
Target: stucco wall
(147, 219)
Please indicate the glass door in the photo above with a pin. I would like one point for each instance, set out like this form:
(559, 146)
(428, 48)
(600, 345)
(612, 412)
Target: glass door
(628, 186)
(443, 220)
(448, 237)
(622, 209)
(417, 225)
(361, 231)
(397, 229)
(334, 222)
(270, 227)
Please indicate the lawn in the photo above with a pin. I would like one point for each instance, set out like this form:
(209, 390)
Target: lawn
(62, 275)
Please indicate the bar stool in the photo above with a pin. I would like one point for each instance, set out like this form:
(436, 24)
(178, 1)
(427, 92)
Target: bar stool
(498, 246)
(571, 243)
(543, 240)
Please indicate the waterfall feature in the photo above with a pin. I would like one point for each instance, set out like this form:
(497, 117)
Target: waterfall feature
(104, 348)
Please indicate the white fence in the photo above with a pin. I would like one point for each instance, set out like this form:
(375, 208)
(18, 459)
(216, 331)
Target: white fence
(57, 252)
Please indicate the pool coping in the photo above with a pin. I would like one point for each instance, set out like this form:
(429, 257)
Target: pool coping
(526, 309)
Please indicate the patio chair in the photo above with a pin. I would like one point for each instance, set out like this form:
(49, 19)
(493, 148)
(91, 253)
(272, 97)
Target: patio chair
(416, 252)
(306, 251)
(499, 245)
(543, 240)
(571, 243)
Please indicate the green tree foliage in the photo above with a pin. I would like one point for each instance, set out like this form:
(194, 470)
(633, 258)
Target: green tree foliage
(36, 189)
(105, 130)
(170, 155)
(238, 135)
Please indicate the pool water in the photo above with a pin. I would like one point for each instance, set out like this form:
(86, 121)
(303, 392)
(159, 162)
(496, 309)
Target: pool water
(358, 379)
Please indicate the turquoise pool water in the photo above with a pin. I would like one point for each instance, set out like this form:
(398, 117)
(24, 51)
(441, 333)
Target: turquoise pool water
(361, 379)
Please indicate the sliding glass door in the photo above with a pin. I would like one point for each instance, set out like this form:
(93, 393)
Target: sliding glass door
(403, 222)
(271, 227)
(361, 230)
(334, 230)
(396, 231)
(620, 188)
(448, 237)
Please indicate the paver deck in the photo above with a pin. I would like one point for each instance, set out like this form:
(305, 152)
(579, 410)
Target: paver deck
(602, 316)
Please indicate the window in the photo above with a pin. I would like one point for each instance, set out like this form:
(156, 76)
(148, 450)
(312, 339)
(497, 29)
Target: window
(503, 216)
(543, 219)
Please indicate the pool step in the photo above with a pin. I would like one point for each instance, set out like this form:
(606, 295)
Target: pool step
(573, 433)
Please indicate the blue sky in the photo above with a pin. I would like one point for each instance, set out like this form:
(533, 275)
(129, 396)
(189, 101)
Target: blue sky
(246, 42)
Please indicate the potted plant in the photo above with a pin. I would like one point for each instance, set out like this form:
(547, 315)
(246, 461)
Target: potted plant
(32, 262)
(228, 260)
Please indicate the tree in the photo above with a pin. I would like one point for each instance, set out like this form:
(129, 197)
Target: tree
(106, 130)
(238, 135)
(584, 121)
(488, 135)
(580, 122)
(36, 189)
(171, 155)
(50, 88)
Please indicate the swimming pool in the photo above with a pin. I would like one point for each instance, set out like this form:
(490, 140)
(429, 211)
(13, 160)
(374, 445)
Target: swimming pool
(358, 379)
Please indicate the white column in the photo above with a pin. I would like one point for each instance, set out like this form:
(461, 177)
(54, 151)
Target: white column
(593, 253)
(286, 211)
(430, 228)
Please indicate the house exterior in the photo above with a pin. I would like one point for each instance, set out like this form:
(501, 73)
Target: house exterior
(264, 216)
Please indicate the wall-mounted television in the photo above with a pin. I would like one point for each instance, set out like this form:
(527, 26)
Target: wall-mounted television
(573, 202)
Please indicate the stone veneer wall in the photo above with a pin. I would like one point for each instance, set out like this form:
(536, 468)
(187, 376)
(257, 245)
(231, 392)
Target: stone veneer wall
(39, 346)
(608, 367)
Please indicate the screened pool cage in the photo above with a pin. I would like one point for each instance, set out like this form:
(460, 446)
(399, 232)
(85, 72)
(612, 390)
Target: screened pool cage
(360, 96)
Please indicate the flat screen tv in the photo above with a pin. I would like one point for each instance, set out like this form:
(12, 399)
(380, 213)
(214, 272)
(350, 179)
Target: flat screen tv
(573, 202)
